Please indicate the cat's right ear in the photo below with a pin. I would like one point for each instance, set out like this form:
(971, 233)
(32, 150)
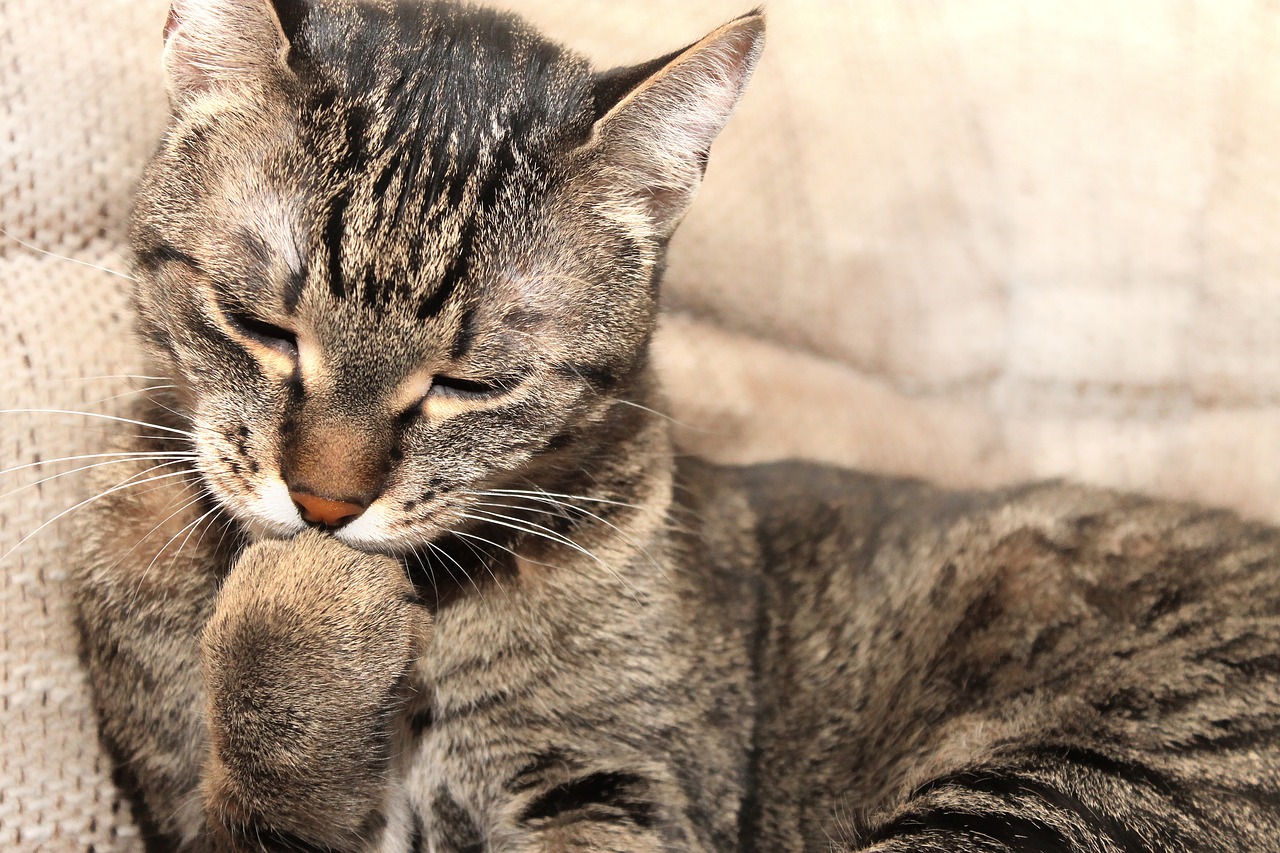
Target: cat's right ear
(212, 46)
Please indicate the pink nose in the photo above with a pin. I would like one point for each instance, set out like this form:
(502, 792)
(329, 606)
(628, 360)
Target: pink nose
(318, 510)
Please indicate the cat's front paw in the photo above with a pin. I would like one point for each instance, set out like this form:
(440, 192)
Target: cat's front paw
(307, 663)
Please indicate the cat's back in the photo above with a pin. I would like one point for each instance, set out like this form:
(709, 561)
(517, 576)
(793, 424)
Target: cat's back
(926, 651)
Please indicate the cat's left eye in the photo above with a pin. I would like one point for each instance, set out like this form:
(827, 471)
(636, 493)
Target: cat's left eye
(468, 389)
(275, 337)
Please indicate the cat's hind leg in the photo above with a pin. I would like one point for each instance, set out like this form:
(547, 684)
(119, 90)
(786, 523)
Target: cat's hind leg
(1073, 800)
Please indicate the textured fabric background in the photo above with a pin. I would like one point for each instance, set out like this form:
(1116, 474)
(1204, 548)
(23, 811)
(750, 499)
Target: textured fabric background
(973, 240)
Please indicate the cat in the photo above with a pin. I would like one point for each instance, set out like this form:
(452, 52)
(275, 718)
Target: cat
(435, 579)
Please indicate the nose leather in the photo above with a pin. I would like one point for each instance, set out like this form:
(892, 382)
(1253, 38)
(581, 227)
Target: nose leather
(330, 513)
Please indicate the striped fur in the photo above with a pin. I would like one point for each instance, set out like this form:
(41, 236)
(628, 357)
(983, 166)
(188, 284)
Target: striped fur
(405, 257)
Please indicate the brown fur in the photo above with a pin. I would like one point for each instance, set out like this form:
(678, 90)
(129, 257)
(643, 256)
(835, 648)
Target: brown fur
(408, 258)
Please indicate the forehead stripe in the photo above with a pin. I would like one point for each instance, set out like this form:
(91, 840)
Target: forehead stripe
(333, 231)
(154, 257)
(466, 336)
(293, 288)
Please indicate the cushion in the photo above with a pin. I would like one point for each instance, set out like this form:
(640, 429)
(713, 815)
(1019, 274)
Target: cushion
(973, 241)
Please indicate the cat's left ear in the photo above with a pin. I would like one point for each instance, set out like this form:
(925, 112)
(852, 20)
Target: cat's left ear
(218, 45)
(659, 119)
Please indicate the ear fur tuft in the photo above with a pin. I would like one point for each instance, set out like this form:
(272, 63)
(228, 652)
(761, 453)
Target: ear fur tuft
(659, 133)
(217, 44)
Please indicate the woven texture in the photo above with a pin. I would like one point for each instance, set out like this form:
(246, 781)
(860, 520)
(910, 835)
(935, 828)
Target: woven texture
(973, 240)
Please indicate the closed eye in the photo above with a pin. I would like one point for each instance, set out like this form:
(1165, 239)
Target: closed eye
(470, 389)
(261, 332)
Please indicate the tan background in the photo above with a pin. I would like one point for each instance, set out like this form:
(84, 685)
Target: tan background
(973, 240)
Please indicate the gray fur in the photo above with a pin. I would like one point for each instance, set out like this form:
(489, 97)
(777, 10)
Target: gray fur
(404, 258)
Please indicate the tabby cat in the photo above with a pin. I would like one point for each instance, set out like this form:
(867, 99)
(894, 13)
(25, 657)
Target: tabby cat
(431, 579)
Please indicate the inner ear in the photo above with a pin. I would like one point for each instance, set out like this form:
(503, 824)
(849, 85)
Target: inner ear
(657, 120)
(217, 45)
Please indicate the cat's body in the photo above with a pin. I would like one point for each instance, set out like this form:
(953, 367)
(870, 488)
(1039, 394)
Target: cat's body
(403, 264)
(825, 658)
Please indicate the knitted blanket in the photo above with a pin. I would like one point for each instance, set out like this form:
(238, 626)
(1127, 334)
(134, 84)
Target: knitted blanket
(976, 241)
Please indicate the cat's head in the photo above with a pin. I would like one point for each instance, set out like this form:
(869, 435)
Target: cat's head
(397, 253)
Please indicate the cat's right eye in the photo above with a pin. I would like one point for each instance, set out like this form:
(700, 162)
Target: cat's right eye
(266, 334)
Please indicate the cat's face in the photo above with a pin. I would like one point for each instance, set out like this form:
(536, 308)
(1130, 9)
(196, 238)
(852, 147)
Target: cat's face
(394, 261)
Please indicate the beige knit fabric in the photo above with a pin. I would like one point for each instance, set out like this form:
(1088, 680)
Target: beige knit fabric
(974, 240)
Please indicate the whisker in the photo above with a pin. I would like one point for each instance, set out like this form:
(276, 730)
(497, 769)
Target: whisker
(82, 468)
(189, 503)
(528, 527)
(541, 493)
(130, 483)
(168, 409)
(133, 454)
(193, 527)
(442, 552)
(182, 432)
(538, 491)
(114, 433)
(190, 527)
(38, 250)
(114, 376)
(685, 425)
(133, 391)
(187, 439)
(228, 523)
(548, 534)
(462, 569)
(538, 562)
(426, 566)
(185, 505)
(483, 559)
(508, 550)
(625, 536)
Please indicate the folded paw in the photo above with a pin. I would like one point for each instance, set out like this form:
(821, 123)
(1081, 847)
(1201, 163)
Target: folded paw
(308, 666)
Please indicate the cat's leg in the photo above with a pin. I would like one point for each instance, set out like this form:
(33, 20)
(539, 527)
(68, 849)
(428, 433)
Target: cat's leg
(144, 574)
(307, 662)
(1065, 799)
(1039, 806)
(145, 581)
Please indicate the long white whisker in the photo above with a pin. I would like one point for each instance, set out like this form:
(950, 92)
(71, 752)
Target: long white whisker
(114, 376)
(190, 527)
(181, 432)
(465, 573)
(193, 526)
(131, 392)
(548, 534)
(130, 483)
(82, 468)
(185, 438)
(508, 550)
(540, 493)
(168, 409)
(442, 552)
(228, 522)
(676, 421)
(38, 250)
(424, 564)
(161, 523)
(527, 527)
(557, 503)
(132, 454)
(483, 559)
